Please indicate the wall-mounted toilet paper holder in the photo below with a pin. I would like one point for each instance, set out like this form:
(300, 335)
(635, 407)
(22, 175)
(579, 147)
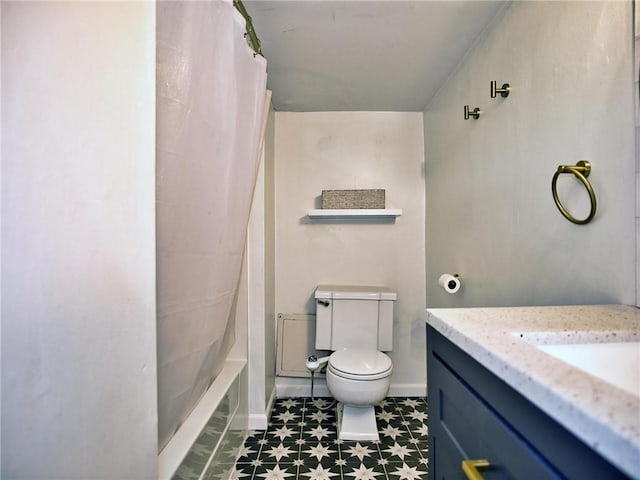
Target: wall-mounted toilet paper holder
(450, 283)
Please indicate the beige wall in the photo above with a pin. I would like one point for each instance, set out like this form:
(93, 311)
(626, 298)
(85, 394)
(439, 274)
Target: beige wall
(78, 241)
(490, 214)
(349, 150)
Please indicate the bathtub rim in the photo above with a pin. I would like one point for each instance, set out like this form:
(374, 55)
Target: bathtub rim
(174, 452)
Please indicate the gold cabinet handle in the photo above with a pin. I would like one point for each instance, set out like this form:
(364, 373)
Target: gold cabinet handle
(470, 468)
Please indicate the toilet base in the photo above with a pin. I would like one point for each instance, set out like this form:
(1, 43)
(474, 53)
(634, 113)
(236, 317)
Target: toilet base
(356, 423)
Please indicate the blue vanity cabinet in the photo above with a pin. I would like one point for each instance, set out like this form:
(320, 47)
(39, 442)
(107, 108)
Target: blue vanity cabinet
(473, 414)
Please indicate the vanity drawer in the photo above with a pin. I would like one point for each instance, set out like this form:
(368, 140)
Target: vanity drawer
(468, 428)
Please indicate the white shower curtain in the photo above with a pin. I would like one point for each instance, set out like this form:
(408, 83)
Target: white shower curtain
(209, 122)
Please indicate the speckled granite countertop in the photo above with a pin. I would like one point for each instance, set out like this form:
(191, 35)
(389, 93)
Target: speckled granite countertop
(605, 417)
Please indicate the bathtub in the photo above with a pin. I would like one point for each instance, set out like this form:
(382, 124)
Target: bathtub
(219, 418)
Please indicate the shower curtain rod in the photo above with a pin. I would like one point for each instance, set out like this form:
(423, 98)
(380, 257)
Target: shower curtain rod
(255, 41)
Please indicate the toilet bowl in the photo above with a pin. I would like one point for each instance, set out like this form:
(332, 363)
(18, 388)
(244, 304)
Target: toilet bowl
(358, 378)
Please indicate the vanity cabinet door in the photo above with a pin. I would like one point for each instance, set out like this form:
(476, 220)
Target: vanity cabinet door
(473, 414)
(468, 428)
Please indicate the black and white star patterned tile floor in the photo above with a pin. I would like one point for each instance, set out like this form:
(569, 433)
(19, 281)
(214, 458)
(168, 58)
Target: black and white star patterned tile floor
(301, 443)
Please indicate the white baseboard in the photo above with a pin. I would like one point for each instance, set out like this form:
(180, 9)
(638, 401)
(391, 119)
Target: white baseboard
(407, 390)
(301, 387)
(272, 399)
(258, 421)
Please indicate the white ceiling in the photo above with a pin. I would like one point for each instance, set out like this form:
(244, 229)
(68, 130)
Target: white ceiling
(389, 55)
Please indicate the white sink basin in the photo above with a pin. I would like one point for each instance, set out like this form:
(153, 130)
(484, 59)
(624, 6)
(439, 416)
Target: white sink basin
(617, 363)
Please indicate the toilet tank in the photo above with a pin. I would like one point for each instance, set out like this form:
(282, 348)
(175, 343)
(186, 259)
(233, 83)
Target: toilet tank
(354, 316)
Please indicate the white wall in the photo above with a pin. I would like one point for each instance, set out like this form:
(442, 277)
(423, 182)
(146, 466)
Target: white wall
(490, 214)
(269, 256)
(255, 278)
(260, 268)
(78, 247)
(352, 150)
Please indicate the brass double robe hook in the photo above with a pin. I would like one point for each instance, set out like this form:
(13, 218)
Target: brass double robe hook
(475, 113)
(503, 91)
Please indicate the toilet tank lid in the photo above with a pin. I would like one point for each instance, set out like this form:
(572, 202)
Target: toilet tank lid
(355, 292)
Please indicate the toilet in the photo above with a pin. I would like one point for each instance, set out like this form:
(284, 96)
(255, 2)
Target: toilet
(356, 323)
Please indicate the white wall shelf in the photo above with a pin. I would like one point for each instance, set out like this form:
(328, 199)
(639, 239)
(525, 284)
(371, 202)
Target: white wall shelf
(354, 213)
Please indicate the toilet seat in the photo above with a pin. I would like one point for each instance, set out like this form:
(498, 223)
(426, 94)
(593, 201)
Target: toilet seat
(360, 364)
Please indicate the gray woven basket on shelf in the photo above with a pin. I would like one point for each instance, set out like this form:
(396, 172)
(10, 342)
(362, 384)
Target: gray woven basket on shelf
(372, 198)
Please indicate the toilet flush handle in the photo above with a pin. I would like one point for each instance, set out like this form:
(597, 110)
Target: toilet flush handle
(324, 303)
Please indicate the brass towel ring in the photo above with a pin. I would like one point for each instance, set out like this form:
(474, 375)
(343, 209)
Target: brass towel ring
(581, 170)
